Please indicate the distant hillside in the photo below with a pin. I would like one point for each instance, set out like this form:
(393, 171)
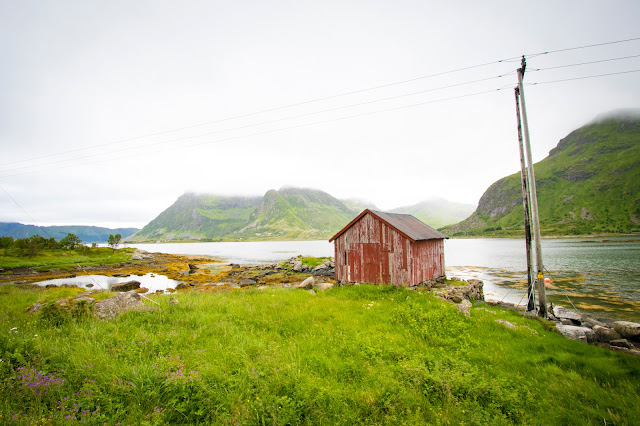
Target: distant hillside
(290, 213)
(294, 213)
(589, 183)
(88, 234)
(438, 212)
(286, 214)
(198, 217)
(358, 205)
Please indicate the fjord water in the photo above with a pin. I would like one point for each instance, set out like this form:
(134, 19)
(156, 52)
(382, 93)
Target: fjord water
(600, 275)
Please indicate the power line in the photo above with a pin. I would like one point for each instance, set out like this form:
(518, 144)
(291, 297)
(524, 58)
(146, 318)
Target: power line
(282, 129)
(24, 210)
(583, 63)
(299, 104)
(548, 52)
(582, 78)
(261, 123)
(264, 111)
(305, 124)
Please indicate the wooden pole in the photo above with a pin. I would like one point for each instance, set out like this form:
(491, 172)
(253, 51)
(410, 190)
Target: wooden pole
(542, 296)
(531, 300)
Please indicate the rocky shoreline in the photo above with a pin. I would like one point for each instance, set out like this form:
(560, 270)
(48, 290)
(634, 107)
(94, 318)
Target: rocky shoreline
(621, 336)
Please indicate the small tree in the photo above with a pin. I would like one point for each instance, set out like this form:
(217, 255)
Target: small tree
(51, 244)
(30, 246)
(6, 243)
(114, 241)
(71, 241)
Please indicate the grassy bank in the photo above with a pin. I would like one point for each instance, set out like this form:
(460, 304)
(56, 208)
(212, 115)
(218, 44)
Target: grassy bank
(65, 259)
(351, 355)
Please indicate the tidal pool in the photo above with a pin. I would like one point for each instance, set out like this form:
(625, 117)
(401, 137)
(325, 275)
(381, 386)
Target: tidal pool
(153, 282)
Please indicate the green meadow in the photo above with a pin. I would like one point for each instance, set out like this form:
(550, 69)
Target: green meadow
(350, 355)
(46, 259)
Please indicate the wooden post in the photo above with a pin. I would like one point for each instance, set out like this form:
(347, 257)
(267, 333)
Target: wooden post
(531, 301)
(542, 296)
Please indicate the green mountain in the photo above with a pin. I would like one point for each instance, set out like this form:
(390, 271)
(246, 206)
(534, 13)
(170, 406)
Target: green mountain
(589, 183)
(199, 217)
(88, 234)
(295, 213)
(438, 212)
(290, 213)
(286, 214)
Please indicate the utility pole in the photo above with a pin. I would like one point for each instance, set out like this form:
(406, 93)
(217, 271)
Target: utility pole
(542, 297)
(531, 299)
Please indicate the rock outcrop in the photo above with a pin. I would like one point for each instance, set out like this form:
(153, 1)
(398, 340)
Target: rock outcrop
(113, 306)
(125, 286)
(621, 335)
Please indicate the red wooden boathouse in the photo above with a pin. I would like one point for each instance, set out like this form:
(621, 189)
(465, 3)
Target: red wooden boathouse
(390, 248)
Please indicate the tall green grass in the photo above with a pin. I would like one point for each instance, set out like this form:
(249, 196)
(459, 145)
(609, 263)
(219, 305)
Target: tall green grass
(351, 355)
(66, 259)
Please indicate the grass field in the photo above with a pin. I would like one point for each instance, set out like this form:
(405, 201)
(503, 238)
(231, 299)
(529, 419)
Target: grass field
(65, 259)
(351, 355)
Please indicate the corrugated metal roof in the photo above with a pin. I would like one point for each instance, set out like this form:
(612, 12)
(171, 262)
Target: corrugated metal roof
(406, 224)
(410, 226)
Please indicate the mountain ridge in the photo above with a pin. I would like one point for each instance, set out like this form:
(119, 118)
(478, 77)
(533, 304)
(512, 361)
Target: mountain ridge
(589, 183)
(289, 213)
(88, 234)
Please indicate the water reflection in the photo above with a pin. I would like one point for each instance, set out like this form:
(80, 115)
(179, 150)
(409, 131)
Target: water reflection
(102, 282)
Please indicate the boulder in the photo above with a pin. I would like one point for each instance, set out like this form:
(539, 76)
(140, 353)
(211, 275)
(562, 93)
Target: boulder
(573, 332)
(312, 292)
(234, 266)
(476, 290)
(35, 308)
(464, 307)
(455, 298)
(142, 290)
(192, 267)
(247, 283)
(320, 267)
(140, 255)
(297, 266)
(181, 286)
(507, 324)
(621, 343)
(605, 334)
(593, 322)
(323, 286)
(126, 286)
(85, 299)
(562, 313)
(628, 330)
(307, 284)
(111, 307)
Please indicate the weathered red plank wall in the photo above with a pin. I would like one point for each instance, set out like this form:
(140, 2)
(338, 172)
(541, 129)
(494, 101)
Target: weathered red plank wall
(428, 256)
(370, 251)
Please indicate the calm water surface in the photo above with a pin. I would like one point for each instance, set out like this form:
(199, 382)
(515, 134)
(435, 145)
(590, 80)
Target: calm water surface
(102, 282)
(601, 275)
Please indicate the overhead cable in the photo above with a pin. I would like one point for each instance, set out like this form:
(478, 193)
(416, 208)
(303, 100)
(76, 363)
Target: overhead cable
(257, 124)
(582, 78)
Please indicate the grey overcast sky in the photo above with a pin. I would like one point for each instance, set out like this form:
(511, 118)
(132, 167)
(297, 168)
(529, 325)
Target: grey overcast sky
(110, 110)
